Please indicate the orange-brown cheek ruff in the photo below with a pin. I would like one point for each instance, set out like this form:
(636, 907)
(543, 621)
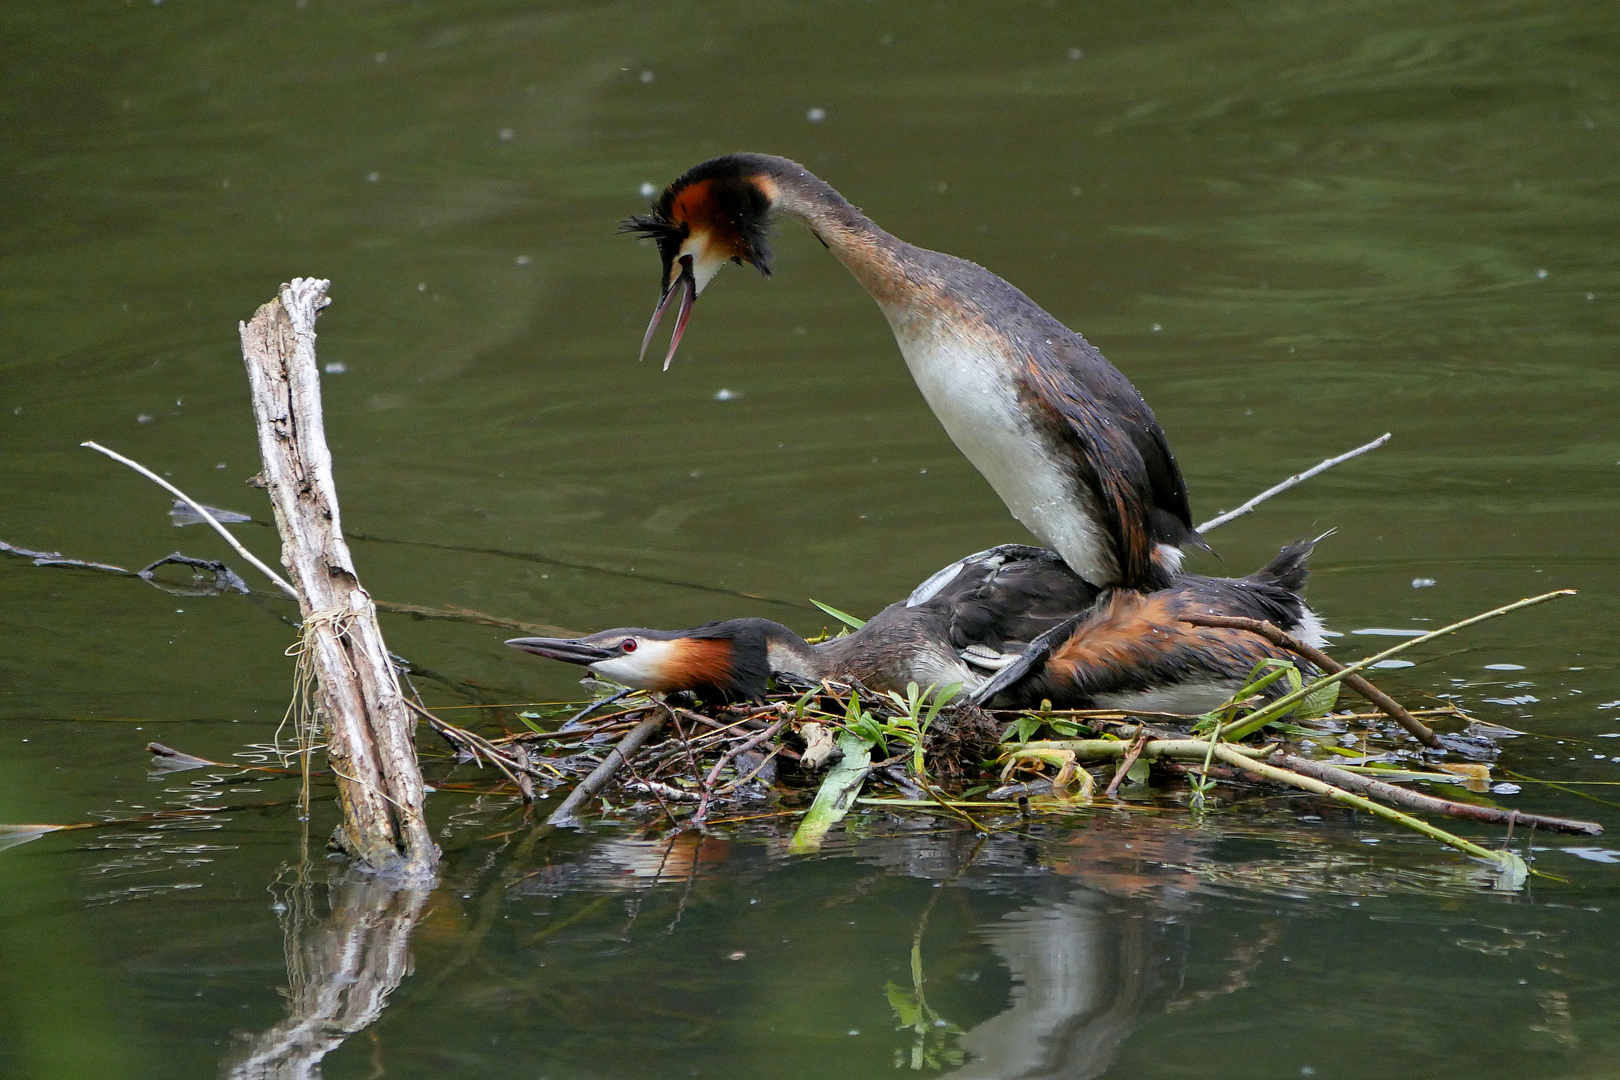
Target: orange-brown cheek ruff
(725, 220)
(696, 663)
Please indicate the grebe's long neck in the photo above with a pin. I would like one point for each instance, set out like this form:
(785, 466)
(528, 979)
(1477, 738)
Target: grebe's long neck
(789, 653)
(878, 259)
(972, 372)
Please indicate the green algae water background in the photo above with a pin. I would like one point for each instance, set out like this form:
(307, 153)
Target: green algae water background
(1293, 226)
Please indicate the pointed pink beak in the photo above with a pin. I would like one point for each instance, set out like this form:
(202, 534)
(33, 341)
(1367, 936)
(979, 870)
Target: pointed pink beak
(686, 285)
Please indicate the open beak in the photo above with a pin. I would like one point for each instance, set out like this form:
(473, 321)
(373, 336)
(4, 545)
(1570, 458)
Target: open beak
(568, 650)
(686, 285)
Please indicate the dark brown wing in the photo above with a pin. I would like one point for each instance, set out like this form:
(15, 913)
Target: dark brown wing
(1121, 454)
(1007, 595)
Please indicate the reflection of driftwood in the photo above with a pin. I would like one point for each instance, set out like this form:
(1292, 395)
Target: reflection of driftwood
(340, 972)
(369, 729)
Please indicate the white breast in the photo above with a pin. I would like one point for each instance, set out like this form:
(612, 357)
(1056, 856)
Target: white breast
(972, 393)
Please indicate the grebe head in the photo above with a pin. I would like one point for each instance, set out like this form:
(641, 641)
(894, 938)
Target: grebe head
(627, 655)
(729, 657)
(714, 213)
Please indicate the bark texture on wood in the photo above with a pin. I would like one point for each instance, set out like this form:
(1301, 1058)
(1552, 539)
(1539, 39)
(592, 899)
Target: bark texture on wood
(369, 729)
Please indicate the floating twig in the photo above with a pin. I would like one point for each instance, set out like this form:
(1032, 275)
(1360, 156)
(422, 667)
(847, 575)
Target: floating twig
(1292, 481)
(202, 512)
(56, 558)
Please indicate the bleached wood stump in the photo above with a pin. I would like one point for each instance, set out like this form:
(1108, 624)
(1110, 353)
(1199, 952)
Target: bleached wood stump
(369, 730)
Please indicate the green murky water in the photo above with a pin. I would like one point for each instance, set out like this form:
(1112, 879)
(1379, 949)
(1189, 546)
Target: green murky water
(1295, 226)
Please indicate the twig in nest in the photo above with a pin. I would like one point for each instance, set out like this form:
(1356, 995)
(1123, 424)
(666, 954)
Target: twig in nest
(656, 790)
(1126, 762)
(480, 747)
(563, 816)
(662, 791)
(1281, 638)
(1418, 801)
(725, 759)
(1230, 755)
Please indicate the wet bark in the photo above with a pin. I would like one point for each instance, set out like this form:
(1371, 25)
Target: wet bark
(369, 730)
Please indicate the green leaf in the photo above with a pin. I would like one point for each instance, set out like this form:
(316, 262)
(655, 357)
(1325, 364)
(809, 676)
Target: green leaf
(799, 706)
(835, 796)
(1138, 772)
(1023, 729)
(1267, 672)
(904, 1003)
(529, 722)
(1320, 702)
(848, 620)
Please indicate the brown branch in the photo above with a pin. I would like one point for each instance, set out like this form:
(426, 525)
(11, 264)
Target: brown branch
(1282, 639)
(725, 759)
(480, 747)
(1126, 762)
(1414, 800)
(588, 787)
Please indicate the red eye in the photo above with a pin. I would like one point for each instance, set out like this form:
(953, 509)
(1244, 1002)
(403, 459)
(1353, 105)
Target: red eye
(628, 644)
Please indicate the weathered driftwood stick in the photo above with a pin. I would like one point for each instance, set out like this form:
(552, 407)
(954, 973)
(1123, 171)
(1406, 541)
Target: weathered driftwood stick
(587, 788)
(369, 729)
(1292, 481)
(1229, 754)
(1279, 637)
(1416, 800)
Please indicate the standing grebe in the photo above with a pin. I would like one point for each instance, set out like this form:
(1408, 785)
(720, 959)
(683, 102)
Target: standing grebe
(1012, 626)
(1059, 433)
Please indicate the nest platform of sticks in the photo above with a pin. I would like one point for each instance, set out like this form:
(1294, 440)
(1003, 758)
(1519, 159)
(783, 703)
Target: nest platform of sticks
(679, 764)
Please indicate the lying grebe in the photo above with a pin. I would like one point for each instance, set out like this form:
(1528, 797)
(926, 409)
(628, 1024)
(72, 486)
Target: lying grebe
(1013, 626)
(1059, 433)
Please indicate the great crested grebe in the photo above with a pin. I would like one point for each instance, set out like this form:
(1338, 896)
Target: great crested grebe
(1012, 626)
(1059, 433)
